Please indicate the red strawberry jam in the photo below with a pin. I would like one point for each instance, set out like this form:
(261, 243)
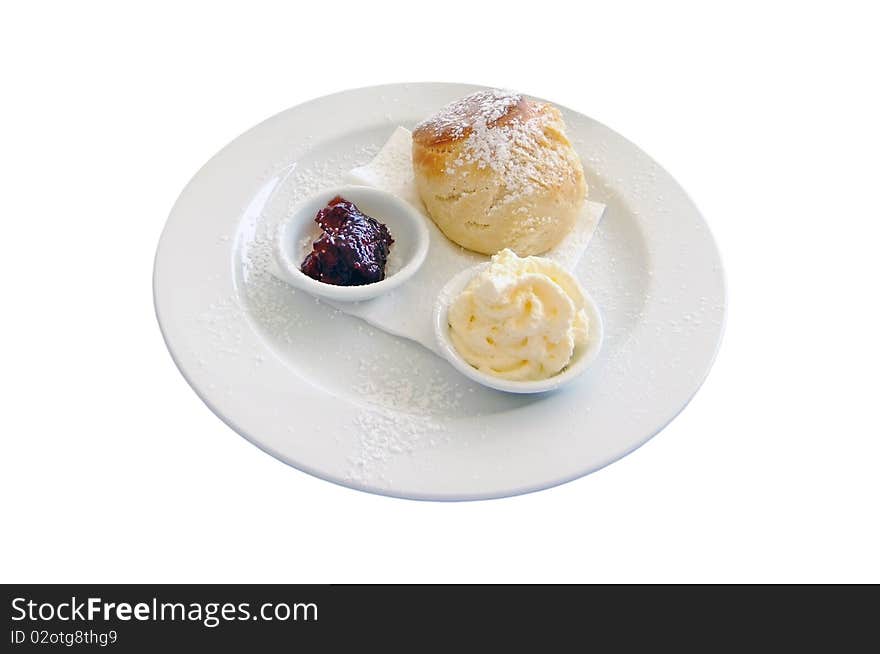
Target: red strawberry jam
(353, 248)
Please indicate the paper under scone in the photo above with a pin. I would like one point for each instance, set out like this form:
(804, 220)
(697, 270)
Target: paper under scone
(407, 311)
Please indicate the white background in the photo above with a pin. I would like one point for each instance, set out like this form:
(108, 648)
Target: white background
(113, 470)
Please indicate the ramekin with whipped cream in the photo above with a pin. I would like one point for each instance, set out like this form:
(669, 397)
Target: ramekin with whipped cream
(518, 324)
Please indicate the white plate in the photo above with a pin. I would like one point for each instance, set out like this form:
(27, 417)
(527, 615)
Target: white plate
(335, 398)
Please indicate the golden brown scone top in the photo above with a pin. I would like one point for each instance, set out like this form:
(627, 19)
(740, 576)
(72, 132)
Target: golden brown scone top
(456, 121)
(520, 140)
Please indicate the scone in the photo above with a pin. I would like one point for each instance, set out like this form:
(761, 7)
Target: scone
(496, 170)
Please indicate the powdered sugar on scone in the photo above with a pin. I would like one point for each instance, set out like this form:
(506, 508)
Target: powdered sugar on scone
(456, 119)
(513, 144)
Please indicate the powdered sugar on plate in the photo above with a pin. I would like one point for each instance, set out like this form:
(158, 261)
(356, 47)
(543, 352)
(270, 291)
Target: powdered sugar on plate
(404, 415)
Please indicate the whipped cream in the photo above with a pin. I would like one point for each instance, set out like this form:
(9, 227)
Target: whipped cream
(520, 318)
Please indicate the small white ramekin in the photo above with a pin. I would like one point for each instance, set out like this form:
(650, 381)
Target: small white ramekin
(581, 360)
(405, 224)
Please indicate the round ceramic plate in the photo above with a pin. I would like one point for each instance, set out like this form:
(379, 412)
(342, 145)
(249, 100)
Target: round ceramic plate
(333, 397)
